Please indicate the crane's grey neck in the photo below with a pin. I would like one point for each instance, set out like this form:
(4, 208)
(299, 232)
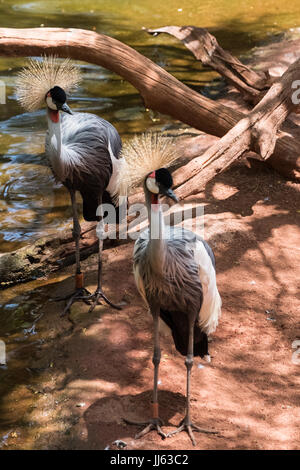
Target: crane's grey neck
(55, 140)
(60, 157)
(54, 130)
(157, 244)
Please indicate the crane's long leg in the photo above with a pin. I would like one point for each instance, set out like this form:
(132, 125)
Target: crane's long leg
(186, 424)
(155, 422)
(99, 295)
(80, 293)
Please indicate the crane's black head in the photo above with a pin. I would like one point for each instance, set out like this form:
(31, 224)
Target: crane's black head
(56, 100)
(161, 182)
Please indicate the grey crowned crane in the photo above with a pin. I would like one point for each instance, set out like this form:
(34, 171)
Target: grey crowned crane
(174, 271)
(83, 151)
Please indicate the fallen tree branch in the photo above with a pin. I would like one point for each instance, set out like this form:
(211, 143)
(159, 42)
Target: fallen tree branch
(257, 131)
(205, 48)
(160, 90)
(44, 256)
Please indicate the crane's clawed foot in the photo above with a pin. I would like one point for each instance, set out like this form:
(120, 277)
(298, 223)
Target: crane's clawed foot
(189, 427)
(96, 300)
(80, 295)
(153, 424)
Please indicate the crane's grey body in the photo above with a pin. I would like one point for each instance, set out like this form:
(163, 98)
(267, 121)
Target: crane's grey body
(83, 151)
(179, 284)
(175, 283)
(175, 274)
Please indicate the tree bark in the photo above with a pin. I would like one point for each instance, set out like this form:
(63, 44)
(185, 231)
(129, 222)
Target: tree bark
(160, 90)
(257, 131)
(45, 256)
(252, 85)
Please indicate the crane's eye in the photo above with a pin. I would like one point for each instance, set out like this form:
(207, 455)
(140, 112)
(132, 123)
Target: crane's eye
(152, 185)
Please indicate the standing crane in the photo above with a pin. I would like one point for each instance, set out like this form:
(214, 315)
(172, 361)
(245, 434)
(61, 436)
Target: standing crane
(174, 271)
(83, 151)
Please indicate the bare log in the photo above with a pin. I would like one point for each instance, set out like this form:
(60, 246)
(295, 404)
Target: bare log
(46, 255)
(160, 90)
(206, 48)
(257, 131)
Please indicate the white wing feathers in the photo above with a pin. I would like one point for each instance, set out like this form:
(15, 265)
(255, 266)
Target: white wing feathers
(211, 307)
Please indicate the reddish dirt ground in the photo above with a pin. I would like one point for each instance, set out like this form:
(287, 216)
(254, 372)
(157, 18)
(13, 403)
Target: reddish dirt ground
(89, 378)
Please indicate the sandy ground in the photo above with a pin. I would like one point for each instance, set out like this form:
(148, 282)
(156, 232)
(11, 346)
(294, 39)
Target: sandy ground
(81, 382)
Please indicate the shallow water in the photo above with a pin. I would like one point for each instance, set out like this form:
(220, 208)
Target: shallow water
(31, 204)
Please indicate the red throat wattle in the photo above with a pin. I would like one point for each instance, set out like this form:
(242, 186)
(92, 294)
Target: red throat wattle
(154, 198)
(154, 201)
(54, 115)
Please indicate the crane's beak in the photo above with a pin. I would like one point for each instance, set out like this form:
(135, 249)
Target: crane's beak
(65, 108)
(169, 193)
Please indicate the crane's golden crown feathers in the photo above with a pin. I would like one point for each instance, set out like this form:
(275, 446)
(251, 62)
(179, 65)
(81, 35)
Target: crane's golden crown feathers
(39, 76)
(142, 155)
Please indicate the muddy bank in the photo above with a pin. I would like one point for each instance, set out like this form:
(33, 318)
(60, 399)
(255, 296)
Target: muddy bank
(69, 388)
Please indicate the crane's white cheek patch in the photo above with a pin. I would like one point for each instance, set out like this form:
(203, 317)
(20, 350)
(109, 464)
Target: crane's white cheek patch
(50, 103)
(52, 109)
(152, 186)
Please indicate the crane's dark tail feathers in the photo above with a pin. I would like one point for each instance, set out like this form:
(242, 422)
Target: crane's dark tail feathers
(178, 323)
(90, 205)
